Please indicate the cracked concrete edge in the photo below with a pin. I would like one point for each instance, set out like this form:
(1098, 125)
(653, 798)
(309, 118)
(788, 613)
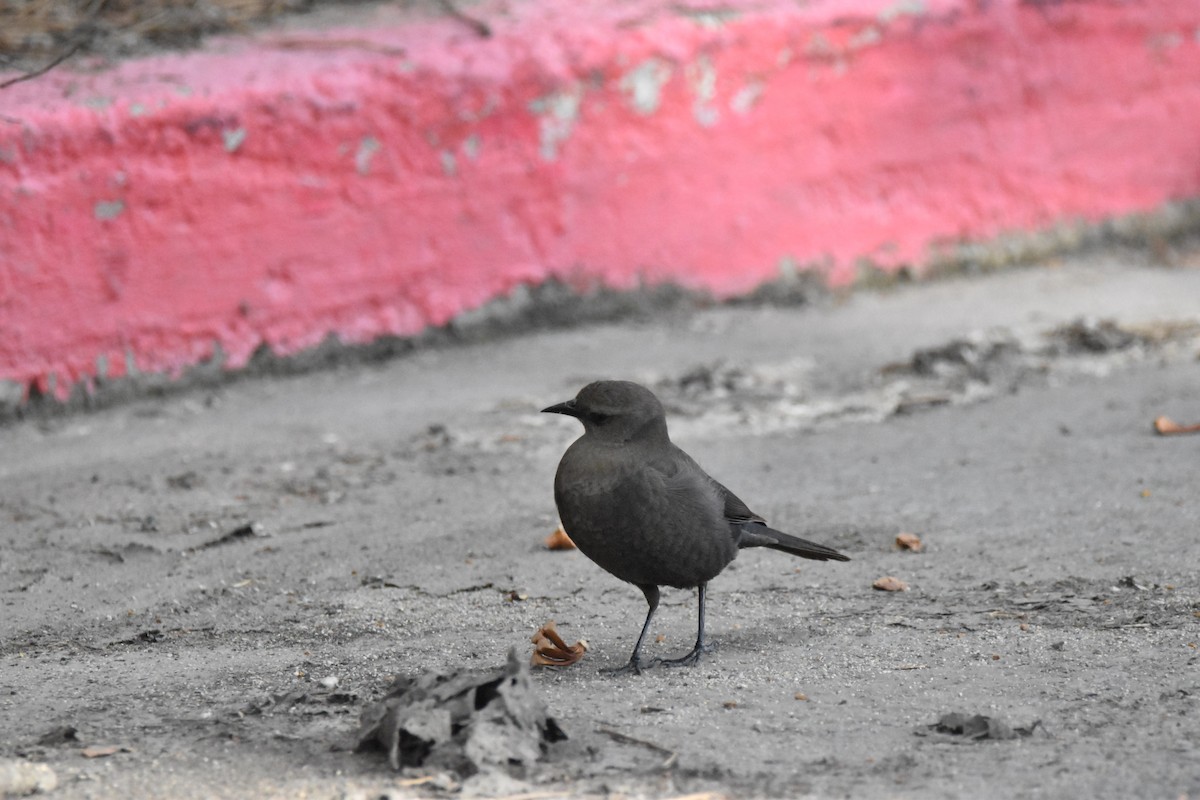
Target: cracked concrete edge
(555, 306)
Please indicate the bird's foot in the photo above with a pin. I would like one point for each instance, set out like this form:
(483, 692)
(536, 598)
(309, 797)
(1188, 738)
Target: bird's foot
(691, 659)
(634, 667)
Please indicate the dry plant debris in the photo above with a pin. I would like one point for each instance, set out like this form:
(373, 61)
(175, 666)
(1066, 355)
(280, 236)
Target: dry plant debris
(979, 727)
(464, 722)
(1165, 426)
(559, 540)
(909, 541)
(889, 584)
(549, 649)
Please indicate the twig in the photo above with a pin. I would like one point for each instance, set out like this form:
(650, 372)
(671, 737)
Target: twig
(94, 9)
(37, 73)
(625, 738)
(476, 24)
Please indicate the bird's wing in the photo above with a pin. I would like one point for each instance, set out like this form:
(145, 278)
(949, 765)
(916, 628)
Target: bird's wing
(735, 509)
(681, 473)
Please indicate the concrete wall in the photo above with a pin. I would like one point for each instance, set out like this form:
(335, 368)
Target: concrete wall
(176, 209)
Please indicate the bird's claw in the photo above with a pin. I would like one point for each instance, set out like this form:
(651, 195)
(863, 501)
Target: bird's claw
(634, 667)
(690, 660)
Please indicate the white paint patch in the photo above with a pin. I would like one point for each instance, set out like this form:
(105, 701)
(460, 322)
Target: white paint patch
(702, 77)
(449, 163)
(471, 146)
(557, 114)
(747, 97)
(644, 85)
(867, 37)
(109, 209)
(367, 148)
(902, 8)
(233, 139)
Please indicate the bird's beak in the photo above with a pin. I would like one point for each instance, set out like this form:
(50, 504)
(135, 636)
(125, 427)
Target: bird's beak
(566, 407)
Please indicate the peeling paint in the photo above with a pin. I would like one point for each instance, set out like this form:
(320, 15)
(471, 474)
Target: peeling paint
(819, 46)
(449, 163)
(98, 102)
(233, 139)
(557, 113)
(902, 8)
(109, 209)
(367, 148)
(702, 77)
(137, 110)
(644, 85)
(867, 37)
(715, 17)
(1161, 42)
(747, 97)
(471, 146)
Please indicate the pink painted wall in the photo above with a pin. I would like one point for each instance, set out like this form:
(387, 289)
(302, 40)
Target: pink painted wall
(385, 178)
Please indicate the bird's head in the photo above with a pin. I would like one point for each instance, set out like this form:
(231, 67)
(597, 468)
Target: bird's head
(616, 411)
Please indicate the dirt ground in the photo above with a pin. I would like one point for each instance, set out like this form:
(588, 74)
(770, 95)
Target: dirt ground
(35, 33)
(182, 579)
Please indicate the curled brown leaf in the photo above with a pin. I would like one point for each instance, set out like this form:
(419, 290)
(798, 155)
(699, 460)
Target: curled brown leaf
(549, 649)
(1165, 426)
(889, 584)
(559, 540)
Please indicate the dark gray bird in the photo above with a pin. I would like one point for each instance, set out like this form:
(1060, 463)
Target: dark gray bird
(643, 510)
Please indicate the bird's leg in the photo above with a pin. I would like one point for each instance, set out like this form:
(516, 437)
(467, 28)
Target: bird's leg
(692, 658)
(635, 664)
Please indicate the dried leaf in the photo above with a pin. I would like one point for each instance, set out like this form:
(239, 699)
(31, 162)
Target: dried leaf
(549, 649)
(909, 541)
(980, 727)
(464, 721)
(890, 584)
(559, 540)
(1165, 426)
(101, 750)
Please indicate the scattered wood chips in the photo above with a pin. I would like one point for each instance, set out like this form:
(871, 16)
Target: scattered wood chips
(909, 541)
(890, 584)
(549, 649)
(1165, 426)
(559, 540)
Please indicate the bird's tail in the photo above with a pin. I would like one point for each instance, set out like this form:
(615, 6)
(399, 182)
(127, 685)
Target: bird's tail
(755, 534)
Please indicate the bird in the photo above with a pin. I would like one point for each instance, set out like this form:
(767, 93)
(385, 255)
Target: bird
(646, 512)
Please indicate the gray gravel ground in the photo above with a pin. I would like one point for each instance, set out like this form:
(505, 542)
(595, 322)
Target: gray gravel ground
(178, 575)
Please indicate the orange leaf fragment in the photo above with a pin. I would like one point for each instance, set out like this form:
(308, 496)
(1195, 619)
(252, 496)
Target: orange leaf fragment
(559, 540)
(101, 750)
(1165, 426)
(549, 649)
(909, 541)
(889, 584)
